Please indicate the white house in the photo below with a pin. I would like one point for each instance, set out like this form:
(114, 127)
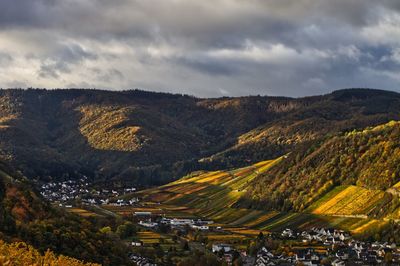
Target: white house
(136, 243)
(148, 224)
(287, 233)
(219, 247)
(177, 222)
(200, 227)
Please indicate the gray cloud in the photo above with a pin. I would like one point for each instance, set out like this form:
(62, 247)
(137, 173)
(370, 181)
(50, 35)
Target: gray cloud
(63, 60)
(5, 58)
(205, 48)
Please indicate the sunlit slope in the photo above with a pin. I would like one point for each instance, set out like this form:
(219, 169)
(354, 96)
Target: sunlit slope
(349, 181)
(367, 158)
(354, 201)
(349, 200)
(210, 190)
(213, 195)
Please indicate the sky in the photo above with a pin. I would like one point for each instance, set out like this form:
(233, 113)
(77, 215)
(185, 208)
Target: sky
(206, 48)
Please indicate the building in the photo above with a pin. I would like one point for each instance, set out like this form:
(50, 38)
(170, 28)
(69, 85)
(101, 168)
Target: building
(200, 227)
(137, 243)
(180, 222)
(221, 247)
(148, 224)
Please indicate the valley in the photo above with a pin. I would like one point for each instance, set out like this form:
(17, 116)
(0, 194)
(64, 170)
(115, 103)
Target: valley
(202, 208)
(168, 179)
(199, 133)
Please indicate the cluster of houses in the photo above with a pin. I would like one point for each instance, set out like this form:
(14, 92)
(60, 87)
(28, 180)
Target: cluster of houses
(348, 248)
(226, 250)
(327, 236)
(370, 253)
(66, 192)
(302, 256)
(340, 249)
(121, 202)
(140, 260)
(353, 254)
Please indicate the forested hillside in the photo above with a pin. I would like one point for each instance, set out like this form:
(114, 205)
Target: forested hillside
(150, 138)
(25, 216)
(368, 158)
(317, 118)
(135, 135)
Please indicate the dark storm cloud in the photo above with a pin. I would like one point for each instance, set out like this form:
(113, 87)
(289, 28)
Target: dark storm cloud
(206, 48)
(221, 23)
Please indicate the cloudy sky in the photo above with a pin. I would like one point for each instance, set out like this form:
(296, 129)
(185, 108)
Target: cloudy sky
(203, 48)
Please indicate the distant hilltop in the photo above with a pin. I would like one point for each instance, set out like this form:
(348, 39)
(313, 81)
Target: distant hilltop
(148, 138)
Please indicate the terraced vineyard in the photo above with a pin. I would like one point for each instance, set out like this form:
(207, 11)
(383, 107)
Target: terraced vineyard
(349, 200)
(212, 195)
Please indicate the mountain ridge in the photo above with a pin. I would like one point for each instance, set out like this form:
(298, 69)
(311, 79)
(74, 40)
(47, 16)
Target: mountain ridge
(149, 138)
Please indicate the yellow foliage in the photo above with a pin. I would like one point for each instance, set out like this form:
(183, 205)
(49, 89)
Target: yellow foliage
(108, 128)
(20, 254)
(351, 201)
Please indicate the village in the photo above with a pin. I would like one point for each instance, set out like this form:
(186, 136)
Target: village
(315, 246)
(71, 192)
